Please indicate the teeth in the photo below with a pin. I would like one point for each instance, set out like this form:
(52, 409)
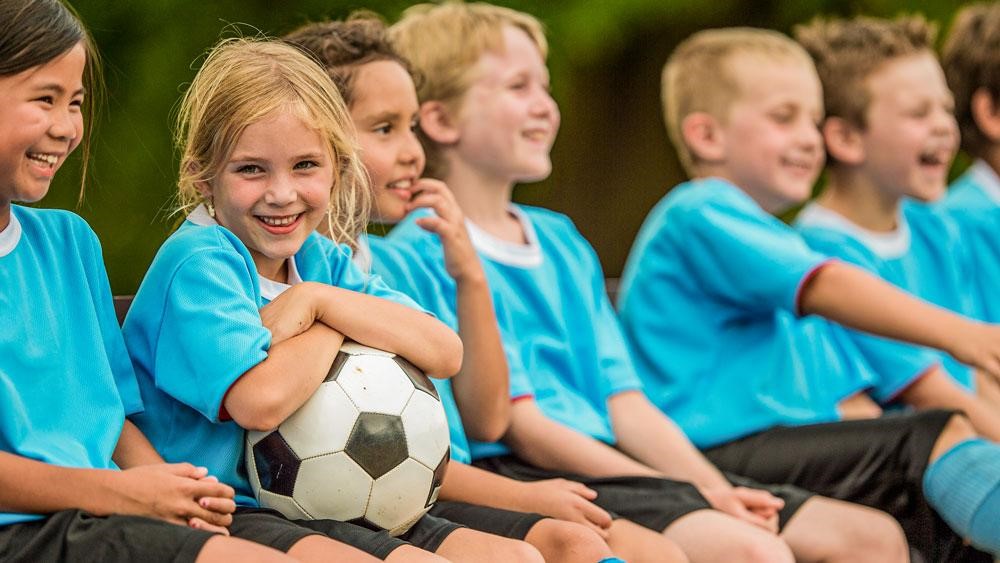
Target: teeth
(278, 221)
(400, 184)
(49, 159)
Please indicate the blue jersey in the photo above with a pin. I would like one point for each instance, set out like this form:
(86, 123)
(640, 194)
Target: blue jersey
(66, 383)
(923, 256)
(974, 203)
(709, 303)
(194, 328)
(560, 332)
(403, 271)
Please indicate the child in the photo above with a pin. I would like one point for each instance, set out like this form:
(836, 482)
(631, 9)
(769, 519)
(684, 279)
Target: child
(66, 379)
(380, 95)
(890, 137)
(972, 67)
(714, 285)
(579, 412)
(244, 308)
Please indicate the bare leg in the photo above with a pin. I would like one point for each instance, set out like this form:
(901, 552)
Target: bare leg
(637, 544)
(560, 541)
(833, 531)
(224, 549)
(412, 554)
(469, 546)
(710, 535)
(321, 548)
(859, 405)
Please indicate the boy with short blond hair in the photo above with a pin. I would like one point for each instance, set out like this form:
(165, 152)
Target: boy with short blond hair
(715, 287)
(578, 409)
(971, 60)
(890, 138)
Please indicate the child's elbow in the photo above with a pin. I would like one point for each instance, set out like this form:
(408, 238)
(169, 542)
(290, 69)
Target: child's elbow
(259, 417)
(449, 353)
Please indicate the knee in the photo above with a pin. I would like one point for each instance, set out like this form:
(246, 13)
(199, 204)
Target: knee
(958, 429)
(524, 552)
(562, 541)
(877, 537)
(763, 548)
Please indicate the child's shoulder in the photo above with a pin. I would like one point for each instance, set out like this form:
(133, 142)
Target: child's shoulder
(57, 220)
(205, 245)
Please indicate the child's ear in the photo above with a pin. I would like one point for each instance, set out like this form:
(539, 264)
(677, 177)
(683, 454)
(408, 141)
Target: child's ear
(843, 141)
(986, 113)
(437, 122)
(204, 188)
(703, 136)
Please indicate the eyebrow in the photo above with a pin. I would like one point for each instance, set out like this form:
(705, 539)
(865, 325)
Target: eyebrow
(58, 89)
(256, 159)
(384, 116)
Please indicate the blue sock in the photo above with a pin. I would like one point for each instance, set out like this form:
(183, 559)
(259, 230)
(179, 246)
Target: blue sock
(963, 485)
(611, 560)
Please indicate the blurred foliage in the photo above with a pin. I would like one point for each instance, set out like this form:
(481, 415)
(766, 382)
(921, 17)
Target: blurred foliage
(611, 162)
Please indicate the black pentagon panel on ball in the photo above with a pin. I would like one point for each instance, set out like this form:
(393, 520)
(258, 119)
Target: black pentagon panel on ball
(338, 364)
(419, 379)
(377, 443)
(439, 471)
(277, 465)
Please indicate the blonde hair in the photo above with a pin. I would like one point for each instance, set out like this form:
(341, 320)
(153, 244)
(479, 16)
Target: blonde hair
(443, 42)
(971, 60)
(847, 52)
(700, 77)
(243, 81)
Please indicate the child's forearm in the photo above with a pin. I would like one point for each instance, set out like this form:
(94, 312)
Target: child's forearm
(133, 448)
(649, 436)
(382, 324)
(34, 487)
(465, 483)
(854, 298)
(272, 390)
(937, 390)
(481, 387)
(545, 443)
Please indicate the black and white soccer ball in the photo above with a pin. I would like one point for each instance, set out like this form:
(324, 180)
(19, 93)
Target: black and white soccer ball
(370, 446)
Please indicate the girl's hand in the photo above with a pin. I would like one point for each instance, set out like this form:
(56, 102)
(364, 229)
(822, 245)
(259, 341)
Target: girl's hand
(754, 506)
(460, 256)
(291, 313)
(219, 505)
(176, 492)
(567, 500)
(978, 346)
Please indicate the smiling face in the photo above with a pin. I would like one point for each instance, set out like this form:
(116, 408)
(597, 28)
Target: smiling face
(274, 189)
(508, 121)
(911, 135)
(771, 145)
(384, 112)
(40, 124)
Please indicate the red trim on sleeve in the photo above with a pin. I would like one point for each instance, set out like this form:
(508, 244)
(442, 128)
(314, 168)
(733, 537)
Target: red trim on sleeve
(805, 281)
(224, 415)
(912, 381)
(521, 398)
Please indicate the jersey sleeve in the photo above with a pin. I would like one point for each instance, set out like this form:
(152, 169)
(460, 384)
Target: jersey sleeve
(111, 335)
(353, 278)
(742, 255)
(211, 331)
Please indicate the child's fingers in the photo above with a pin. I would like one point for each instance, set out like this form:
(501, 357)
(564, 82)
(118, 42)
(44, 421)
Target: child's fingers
(187, 470)
(597, 515)
(430, 224)
(584, 491)
(199, 524)
(218, 505)
(756, 498)
(211, 489)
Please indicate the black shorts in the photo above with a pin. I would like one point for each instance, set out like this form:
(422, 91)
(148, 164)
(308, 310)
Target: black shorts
(878, 463)
(269, 527)
(496, 521)
(647, 501)
(74, 535)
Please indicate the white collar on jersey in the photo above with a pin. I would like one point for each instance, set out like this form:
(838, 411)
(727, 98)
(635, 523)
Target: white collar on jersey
(512, 254)
(886, 245)
(10, 236)
(987, 179)
(269, 289)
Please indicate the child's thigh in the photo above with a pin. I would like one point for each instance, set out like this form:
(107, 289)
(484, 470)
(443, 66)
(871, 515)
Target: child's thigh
(465, 545)
(74, 535)
(710, 535)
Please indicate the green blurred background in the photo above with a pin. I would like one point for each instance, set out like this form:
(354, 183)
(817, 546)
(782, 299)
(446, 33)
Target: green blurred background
(612, 160)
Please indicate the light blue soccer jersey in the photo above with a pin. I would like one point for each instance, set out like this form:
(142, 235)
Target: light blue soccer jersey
(560, 332)
(403, 271)
(973, 201)
(923, 256)
(194, 328)
(709, 303)
(66, 383)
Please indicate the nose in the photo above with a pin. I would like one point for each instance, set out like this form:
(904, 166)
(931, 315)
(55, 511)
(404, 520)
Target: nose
(808, 134)
(543, 105)
(63, 126)
(411, 153)
(280, 191)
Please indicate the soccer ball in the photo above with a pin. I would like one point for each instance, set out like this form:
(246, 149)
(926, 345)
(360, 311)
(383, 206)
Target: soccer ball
(370, 446)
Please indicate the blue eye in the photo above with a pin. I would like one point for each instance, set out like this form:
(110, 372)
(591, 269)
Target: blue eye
(249, 169)
(306, 164)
